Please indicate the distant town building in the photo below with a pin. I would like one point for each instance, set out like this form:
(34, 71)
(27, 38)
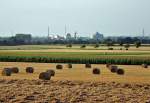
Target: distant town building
(60, 37)
(84, 38)
(98, 37)
(68, 36)
(25, 38)
(50, 37)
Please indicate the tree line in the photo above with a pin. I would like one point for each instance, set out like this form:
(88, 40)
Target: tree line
(22, 39)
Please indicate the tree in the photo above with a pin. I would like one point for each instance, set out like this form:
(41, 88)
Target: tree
(69, 45)
(127, 46)
(137, 44)
(128, 40)
(96, 45)
(109, 43)
(121, 43)
(83, 46)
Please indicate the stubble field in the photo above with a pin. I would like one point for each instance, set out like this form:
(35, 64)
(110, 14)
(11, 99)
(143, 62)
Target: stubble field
(75, 85)
(133, 73)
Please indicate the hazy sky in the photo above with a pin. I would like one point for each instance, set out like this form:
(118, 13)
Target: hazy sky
(110, 17)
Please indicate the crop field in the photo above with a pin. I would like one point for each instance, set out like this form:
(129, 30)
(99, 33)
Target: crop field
(78, 57)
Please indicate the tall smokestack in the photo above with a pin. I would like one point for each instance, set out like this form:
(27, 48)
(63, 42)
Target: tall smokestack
(48, 32)
(143, 32)
(65, 30)
(75, 35)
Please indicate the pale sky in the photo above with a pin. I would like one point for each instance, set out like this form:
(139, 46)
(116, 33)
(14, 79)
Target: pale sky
(110, 17)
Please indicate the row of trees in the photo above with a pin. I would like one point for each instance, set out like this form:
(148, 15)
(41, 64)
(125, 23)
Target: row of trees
(109, 45)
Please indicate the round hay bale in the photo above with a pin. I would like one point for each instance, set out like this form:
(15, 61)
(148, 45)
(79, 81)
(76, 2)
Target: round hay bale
(108, 64)
(51, 72)
(59, 66)
(45, 76)
(120, 72)
(15, 70)
(29, 69)
(6, 72)
(69, 65)
(144, 65)
(113, 68)
(96, 71)
(88, 65)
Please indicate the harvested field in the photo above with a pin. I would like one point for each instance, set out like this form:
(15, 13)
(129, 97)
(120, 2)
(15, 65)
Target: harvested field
(76, 85)
(133, 73)
(38, 91)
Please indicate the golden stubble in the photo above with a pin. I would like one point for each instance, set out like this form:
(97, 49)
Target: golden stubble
(133, 73)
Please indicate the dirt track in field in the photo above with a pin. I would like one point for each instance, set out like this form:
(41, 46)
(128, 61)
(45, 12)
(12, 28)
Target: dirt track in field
(75, 47)
(78, 50)
(37, 91)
